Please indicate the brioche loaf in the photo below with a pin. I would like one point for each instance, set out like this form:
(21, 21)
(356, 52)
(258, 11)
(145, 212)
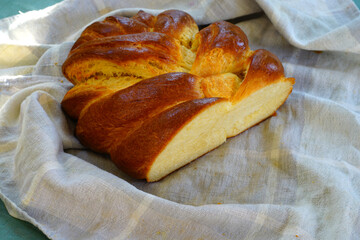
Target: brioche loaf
(155, 93)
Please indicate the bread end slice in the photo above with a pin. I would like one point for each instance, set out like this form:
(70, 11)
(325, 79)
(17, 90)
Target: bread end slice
(201, 134)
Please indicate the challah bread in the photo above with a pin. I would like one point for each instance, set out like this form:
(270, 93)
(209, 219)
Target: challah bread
(155, 93)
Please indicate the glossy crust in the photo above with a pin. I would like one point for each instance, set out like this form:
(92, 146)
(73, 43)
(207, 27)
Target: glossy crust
(171, 22)
(77, 98)
(139, 81)
(264, 69)
(176, 24)
(148, 49)
(221, 47)
(111, 26)
(127, 109)
(156, 132)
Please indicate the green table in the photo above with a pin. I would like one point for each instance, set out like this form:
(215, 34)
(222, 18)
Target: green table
(14, 229)
(12, 7)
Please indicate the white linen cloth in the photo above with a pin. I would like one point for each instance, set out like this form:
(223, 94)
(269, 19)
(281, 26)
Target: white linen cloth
(294, 176)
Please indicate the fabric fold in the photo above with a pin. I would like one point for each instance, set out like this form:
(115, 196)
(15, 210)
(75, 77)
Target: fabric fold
(317, 25)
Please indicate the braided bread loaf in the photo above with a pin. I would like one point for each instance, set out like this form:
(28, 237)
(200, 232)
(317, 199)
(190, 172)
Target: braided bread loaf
(155, 93)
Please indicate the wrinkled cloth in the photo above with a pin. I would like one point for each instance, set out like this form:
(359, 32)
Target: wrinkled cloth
(294, 176)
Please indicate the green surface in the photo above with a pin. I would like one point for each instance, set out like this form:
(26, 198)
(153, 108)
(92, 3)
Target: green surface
(12, 7)
(15, 229)
(357, 2)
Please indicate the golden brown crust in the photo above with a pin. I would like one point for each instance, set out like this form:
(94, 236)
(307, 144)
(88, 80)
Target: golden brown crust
(176, 24)
(265, 68)
(112, 119)
(221, 47)
(111, 26)
(154, 42)
(148, 141)
(154, 50)
(77, 98)
(170, 22)
(145, 18)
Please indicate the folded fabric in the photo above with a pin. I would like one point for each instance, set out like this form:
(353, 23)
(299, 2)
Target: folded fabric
(294, 176)
(316, 25)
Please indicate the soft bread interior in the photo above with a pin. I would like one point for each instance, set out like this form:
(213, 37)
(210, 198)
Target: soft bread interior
(223, 85)
(202, 134)
(256, 107)
(211, 127)
(187, 58)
